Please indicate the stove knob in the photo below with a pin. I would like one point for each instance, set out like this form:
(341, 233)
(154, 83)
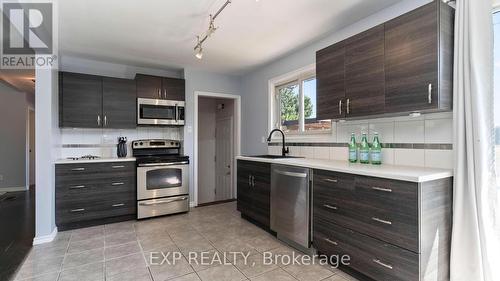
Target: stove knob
(171, 143)
(140, 143)
(135, 144)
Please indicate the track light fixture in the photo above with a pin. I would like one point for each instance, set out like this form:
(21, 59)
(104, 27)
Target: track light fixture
(211, 30)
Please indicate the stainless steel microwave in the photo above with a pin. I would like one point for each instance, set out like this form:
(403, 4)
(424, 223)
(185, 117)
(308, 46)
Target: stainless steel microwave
(160, 112)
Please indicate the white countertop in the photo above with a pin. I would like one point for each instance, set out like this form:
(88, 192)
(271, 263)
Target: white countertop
(100, 160)
(404, 173)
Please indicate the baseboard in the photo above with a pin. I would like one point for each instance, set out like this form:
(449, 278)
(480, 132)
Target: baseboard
(46, 238)
(13, 189)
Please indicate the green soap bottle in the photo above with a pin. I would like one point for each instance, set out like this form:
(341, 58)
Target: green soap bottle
(376, 151)
(364, 150)
(353, 149)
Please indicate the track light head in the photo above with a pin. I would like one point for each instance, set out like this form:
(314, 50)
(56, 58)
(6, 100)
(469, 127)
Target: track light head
(199, 53)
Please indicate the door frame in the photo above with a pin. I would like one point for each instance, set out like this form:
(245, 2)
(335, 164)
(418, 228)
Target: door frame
(236, 130)
(28, 170)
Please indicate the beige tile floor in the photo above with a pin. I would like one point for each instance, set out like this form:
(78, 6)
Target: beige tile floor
(121, 251)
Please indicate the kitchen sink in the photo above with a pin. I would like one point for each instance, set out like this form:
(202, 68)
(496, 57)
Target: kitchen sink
(273, 156)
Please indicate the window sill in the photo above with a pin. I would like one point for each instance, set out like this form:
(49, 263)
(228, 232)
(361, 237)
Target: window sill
(323, 136)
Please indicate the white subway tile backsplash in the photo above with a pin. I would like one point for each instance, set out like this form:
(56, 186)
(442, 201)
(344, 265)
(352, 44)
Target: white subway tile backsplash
(388, 156)
(438, 131)
(346, 128)
(307, 151)
(321, 152)
(339, 153)
(409, 131)
(384, 130)
(439, 159)
(409, 157)
(294, 150)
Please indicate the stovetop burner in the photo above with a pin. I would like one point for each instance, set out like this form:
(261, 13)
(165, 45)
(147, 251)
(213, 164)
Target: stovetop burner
(84, 157)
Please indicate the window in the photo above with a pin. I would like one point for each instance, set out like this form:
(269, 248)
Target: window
(295, 107)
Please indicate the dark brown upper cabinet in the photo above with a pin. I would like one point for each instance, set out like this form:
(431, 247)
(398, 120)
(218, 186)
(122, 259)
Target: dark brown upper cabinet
(119, 103)
(89, 101)
(80, 100)
(364, 73)
(419, 60)
(330, 82)
(402, 66)
(148, 86)
(154, 87)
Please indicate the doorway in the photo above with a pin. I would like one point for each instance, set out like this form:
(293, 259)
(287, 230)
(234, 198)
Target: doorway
(217, 144)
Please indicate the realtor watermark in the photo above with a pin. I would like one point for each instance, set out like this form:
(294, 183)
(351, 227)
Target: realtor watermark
(213, 258)
(29, 35)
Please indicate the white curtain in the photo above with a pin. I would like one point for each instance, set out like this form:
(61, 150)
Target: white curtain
(474, 243)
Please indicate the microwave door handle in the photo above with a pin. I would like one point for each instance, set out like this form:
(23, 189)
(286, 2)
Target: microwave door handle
(176, 113)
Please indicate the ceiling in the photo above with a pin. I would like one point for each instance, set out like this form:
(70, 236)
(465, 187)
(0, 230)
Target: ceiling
(21, 79)
(161, 33)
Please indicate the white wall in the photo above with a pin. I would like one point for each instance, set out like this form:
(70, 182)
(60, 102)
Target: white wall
(47, 140)
(95, 67)
(204, 82)
(13, 110)
(255, 84)
(206, 149)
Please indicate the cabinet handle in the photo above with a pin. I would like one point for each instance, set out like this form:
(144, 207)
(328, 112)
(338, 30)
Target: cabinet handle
(77, 187)
(332, 180)
(105, 120)
(77, 210)
(117, 183)
(165, 91)
(99, 120)
(331, 242)
(429, 90)
(340, 107)
(348, 106)
(382, 221)
(249, 180)
(159, 93)
(377, 261)
(78, 169)
(118, 205)
(118, 167)
(253, 181)
(330, 207)
(381, 189)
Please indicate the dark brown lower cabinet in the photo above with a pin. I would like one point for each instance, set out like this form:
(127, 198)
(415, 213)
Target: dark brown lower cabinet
(254, 191)
(94, 193)
(392, 230)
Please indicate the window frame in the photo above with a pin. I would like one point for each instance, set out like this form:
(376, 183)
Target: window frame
(274, 114)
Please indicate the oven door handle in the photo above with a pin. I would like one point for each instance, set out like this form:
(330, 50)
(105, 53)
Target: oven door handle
(163, 201)
(163, 164)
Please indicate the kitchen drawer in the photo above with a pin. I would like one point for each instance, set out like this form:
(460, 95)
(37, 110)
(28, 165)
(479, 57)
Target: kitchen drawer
(66, 190)
(85, 170)
(383, 209)
(372, 257)
(74, 212)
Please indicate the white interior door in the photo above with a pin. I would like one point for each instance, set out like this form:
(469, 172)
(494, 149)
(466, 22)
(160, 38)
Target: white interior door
(224, 154)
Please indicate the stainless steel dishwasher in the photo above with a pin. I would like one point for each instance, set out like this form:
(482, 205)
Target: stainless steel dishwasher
(290, 205)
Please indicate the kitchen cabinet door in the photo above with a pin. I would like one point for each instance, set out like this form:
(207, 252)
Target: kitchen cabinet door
(148, 86)
(254, 191)
(174, 89)
(261, 193)
(330, 84)
(119, 103)
(411, 60)
(364, 73)
(80, 98)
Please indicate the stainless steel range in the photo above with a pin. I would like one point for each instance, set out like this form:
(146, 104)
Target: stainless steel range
(162, 178)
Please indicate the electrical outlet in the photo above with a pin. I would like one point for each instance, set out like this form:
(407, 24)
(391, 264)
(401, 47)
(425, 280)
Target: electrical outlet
(263, 139)
(1, 177)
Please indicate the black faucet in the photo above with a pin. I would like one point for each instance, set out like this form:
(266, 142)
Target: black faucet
(284, 150)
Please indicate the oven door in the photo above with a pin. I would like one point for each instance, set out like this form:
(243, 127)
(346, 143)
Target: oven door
(158, 112)
(162, 180)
